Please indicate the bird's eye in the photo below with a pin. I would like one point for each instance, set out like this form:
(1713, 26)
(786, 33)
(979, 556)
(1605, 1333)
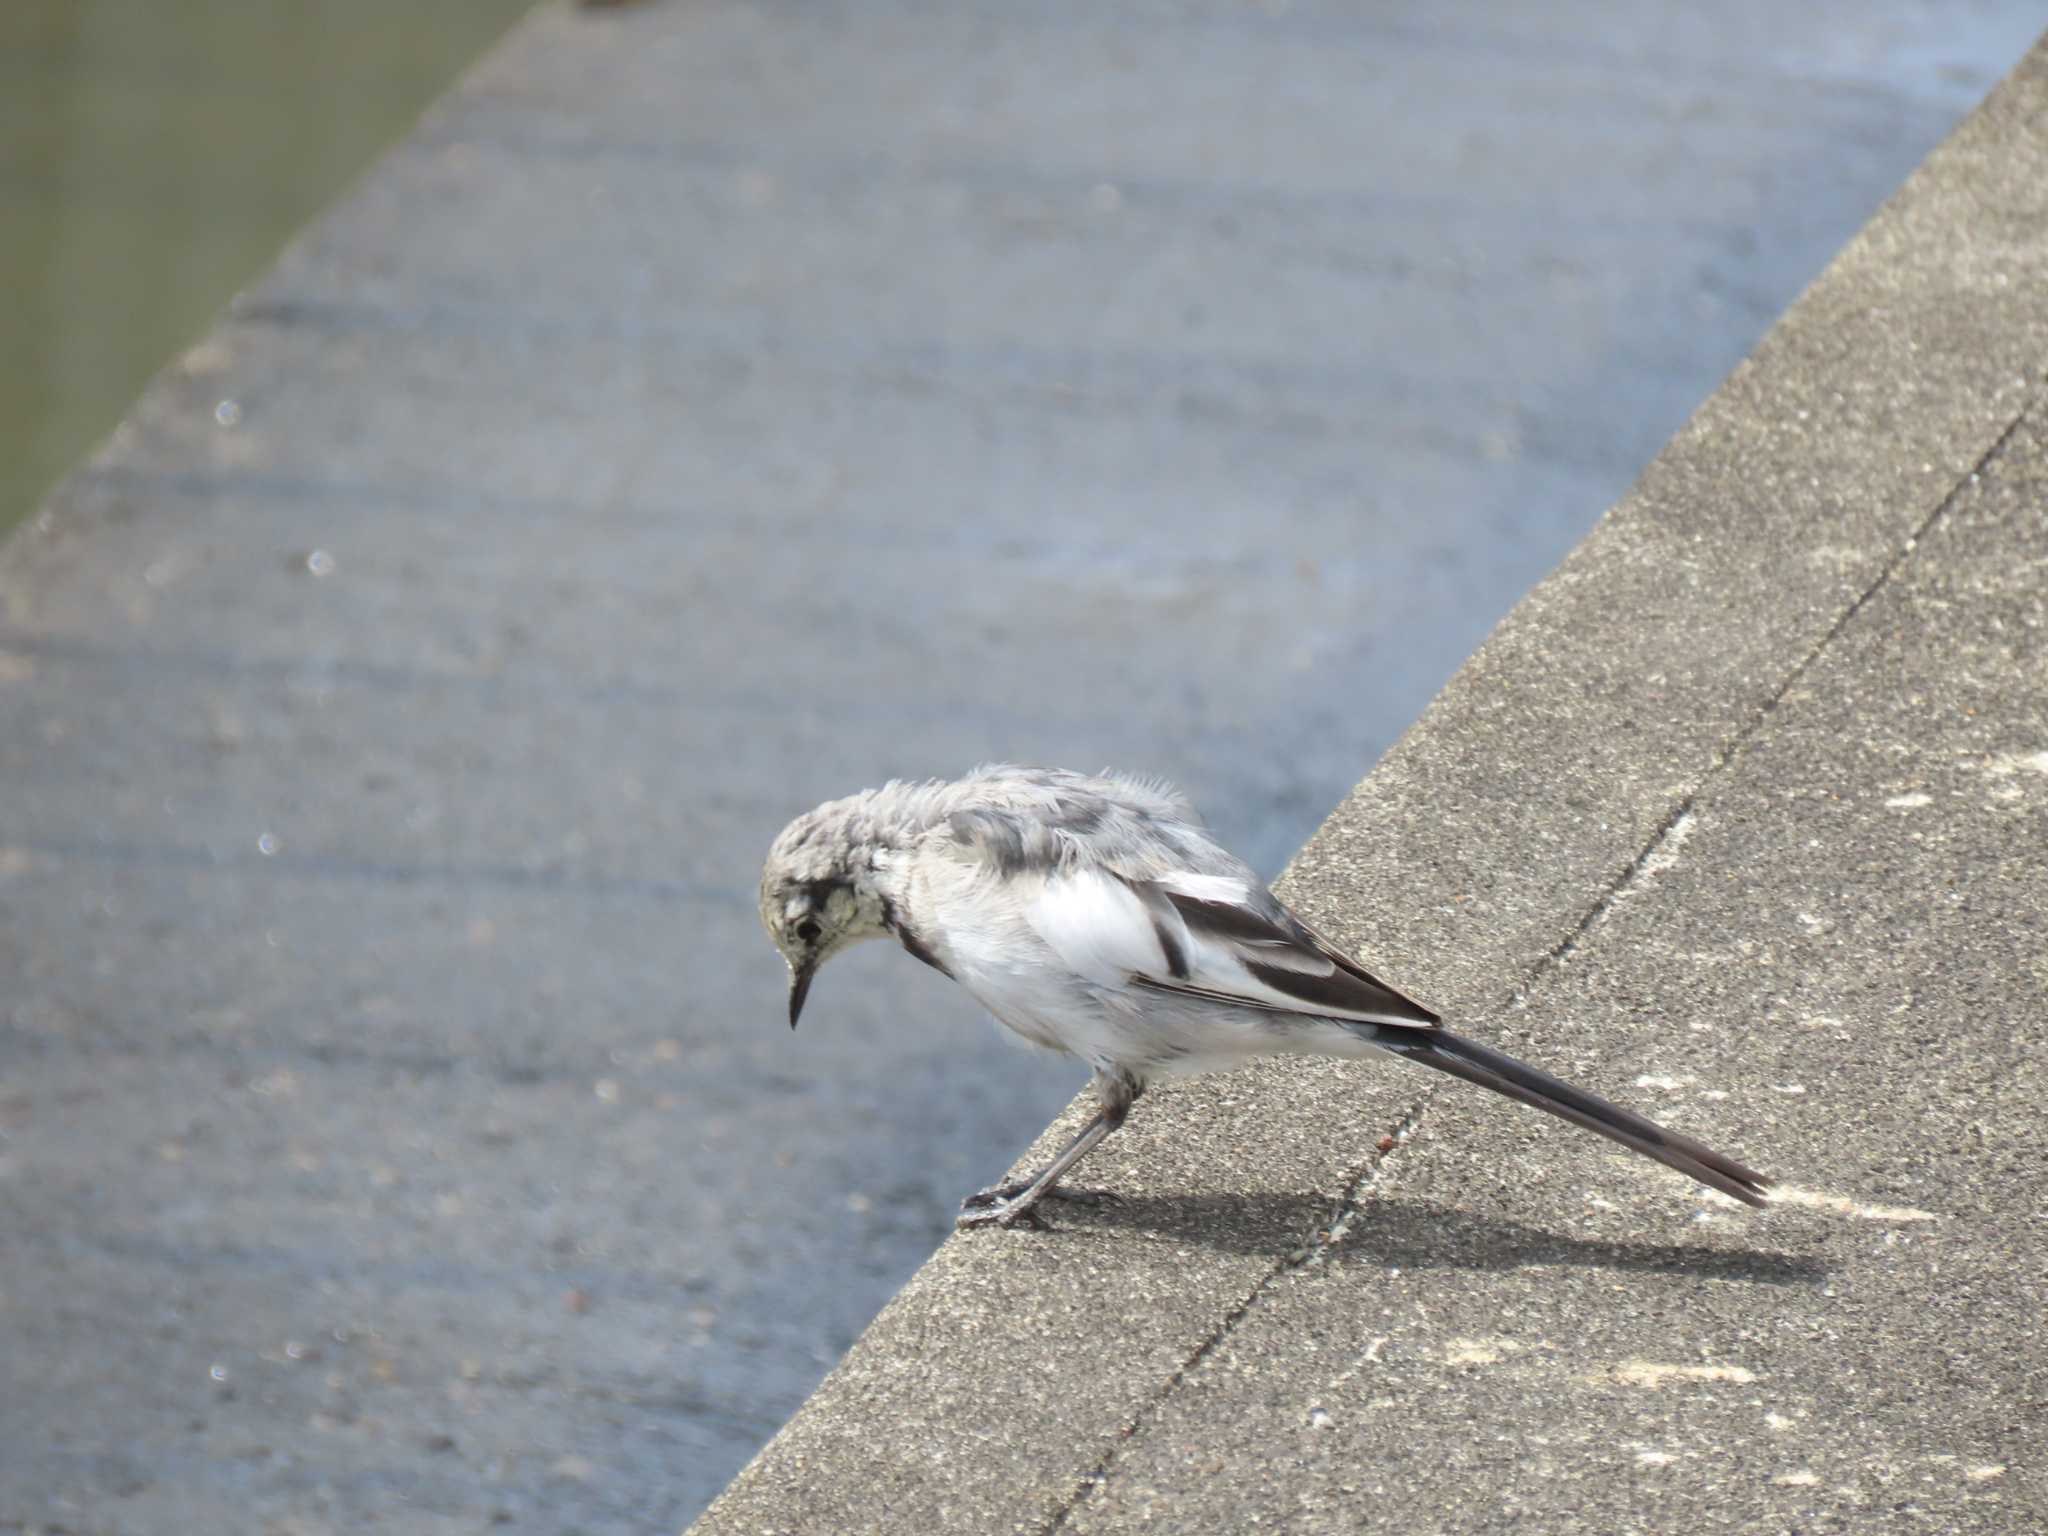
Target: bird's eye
(808, 930)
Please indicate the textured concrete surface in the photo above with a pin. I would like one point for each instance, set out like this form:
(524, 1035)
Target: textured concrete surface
(1741, 816)
(716, 407)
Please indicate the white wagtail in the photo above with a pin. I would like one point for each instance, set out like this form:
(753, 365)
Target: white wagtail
(1096, 916)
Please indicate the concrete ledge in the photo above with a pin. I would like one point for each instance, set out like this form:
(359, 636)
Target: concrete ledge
(1740, 817)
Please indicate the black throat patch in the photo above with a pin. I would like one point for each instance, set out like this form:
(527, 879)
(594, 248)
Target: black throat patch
(908, 938)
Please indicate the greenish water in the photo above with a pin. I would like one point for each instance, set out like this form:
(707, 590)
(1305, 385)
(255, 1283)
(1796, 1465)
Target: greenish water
(154, 154)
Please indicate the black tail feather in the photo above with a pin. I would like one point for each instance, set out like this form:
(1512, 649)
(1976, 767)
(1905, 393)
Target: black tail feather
(1503, 1074)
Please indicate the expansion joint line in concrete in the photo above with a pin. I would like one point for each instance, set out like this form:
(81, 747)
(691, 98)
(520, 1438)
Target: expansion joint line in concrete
(1725, 756)
(1361, 1185)
(1318, 1246)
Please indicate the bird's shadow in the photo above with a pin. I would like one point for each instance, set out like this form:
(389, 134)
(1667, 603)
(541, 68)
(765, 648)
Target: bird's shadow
(1418, 1234)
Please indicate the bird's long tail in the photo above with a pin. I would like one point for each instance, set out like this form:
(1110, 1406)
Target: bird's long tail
(1503, 1074)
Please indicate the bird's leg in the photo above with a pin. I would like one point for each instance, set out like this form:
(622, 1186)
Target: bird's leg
(1006, 1202)
(1007, 1205)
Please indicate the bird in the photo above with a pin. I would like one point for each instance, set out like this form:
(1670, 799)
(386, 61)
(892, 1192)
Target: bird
(1096, 915)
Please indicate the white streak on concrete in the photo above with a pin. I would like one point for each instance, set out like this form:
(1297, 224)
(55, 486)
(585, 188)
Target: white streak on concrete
(1842, 1205)
(2006, 764)
(1479, 1351)
(1665, 854)
(1911, 802)
(1654, 1373)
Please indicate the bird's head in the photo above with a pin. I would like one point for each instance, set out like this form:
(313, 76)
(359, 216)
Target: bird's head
(818, 896)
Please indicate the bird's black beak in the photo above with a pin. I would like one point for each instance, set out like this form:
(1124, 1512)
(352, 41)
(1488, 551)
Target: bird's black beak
(800, 985)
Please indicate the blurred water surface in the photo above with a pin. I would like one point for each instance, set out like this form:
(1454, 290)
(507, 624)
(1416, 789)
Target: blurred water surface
(154, 154)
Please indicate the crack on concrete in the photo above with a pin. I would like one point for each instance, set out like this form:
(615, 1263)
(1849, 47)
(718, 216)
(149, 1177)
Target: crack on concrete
(1660, 851)
(1312, 1254)
(1657, 854)
(1328, 1239)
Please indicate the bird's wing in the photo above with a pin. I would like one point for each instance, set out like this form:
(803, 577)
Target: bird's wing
(1224, 938)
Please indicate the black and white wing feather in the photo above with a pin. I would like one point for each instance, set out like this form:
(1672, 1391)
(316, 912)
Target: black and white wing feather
(1222, 938)
(1284, 964)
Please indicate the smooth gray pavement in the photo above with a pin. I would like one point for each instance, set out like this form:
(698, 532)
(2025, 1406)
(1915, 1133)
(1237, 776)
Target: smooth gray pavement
(717, 407)
(1743, 816)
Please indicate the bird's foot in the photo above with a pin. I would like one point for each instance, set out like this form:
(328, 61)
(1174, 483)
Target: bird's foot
(1002, 1213)
(996, 1194)
(1002, 1205)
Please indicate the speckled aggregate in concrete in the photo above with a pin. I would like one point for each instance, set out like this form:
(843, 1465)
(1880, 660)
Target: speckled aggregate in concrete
(1741, 817)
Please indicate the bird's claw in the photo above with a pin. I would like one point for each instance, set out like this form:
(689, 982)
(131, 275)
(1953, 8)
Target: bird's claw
(1003, 1213)
(1003, 1205)
(998, 1205)
(996, 1194)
